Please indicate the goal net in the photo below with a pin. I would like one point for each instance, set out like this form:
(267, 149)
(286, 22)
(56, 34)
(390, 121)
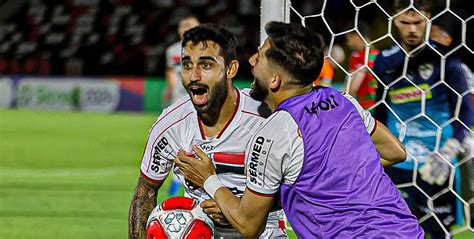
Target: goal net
(335, 20)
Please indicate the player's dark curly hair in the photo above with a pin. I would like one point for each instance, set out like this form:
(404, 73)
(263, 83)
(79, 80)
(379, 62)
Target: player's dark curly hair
(297, 49)
(212, 32)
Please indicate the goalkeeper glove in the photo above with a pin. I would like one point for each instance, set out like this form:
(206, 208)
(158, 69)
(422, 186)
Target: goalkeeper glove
(468, 145)
(436, 168)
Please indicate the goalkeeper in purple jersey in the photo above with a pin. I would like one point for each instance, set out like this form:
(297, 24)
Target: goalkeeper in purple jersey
(424, 97)
(315, 150)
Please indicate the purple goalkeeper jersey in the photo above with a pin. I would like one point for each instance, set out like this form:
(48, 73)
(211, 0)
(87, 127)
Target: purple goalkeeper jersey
(342, 190)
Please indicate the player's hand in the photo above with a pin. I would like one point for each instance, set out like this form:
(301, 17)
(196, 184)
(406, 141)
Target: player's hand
(195, 170)
(437, 166)
(435, 171)
(214, 212)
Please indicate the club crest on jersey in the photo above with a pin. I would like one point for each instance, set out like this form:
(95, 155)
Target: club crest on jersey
(425, 71)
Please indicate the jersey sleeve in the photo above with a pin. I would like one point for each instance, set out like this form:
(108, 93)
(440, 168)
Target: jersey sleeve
(160, 149)
(369, 121)
(457, 78)
(267, 155)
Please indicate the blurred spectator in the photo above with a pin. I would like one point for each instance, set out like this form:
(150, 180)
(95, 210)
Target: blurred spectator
(420, 114)
(174, 88)
(362, 84)
(445, 30)
(327, 72)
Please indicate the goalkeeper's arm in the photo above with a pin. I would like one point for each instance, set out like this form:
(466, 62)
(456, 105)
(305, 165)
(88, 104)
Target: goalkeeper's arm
(391, 150)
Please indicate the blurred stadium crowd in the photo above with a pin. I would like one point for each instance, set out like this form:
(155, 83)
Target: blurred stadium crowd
(124, 37)
(129, 37)
(107, 37)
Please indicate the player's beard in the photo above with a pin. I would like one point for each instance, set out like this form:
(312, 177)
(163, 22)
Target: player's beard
(259, 91)
(412, 41)
(217, 96)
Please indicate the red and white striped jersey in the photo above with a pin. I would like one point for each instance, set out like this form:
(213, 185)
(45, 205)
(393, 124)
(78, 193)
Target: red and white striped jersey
(179, 127)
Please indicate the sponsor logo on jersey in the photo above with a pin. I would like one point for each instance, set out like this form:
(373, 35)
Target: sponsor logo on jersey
(388, 52)
(258, 157)
(425, 71)
(410, 94)
(159, 147)
(256, 152)
(325, 105)
(207, 146)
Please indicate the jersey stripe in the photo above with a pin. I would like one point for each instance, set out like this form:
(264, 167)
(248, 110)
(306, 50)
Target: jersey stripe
(221, 168)
(229, 162)
(227, 158)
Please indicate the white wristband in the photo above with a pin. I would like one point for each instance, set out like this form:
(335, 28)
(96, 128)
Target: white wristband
(211, 185)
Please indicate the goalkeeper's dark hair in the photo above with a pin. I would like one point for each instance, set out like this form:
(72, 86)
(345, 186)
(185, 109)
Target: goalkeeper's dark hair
(421, 5)
(296, 49)
(218, 34)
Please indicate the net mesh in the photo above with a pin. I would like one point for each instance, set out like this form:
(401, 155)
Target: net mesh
(336, 19)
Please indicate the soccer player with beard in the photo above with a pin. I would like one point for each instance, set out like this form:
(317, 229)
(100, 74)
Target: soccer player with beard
(315, 150)
(217, 117)
(429, 107)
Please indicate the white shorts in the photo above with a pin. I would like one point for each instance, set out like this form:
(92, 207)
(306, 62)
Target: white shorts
(274, 229)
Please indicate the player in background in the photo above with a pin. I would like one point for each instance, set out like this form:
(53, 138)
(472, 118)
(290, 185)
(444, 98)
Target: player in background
(363, 83)
(327, 71)
(446, 30)
(315, 150)
(174, 89)
(423, 121)
(217, 117)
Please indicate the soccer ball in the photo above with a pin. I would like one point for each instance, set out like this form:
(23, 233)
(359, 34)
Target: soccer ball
(179, 217)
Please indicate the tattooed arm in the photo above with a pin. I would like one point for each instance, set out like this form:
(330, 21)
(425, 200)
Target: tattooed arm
(143, 202)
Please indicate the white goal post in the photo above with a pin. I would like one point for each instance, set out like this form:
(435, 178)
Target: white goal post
(273, 10)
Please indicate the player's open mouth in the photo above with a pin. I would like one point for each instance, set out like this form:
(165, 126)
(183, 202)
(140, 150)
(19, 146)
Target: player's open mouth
(199, 94)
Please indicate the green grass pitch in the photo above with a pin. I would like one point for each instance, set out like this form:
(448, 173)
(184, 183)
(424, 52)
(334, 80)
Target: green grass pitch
(70, 174)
